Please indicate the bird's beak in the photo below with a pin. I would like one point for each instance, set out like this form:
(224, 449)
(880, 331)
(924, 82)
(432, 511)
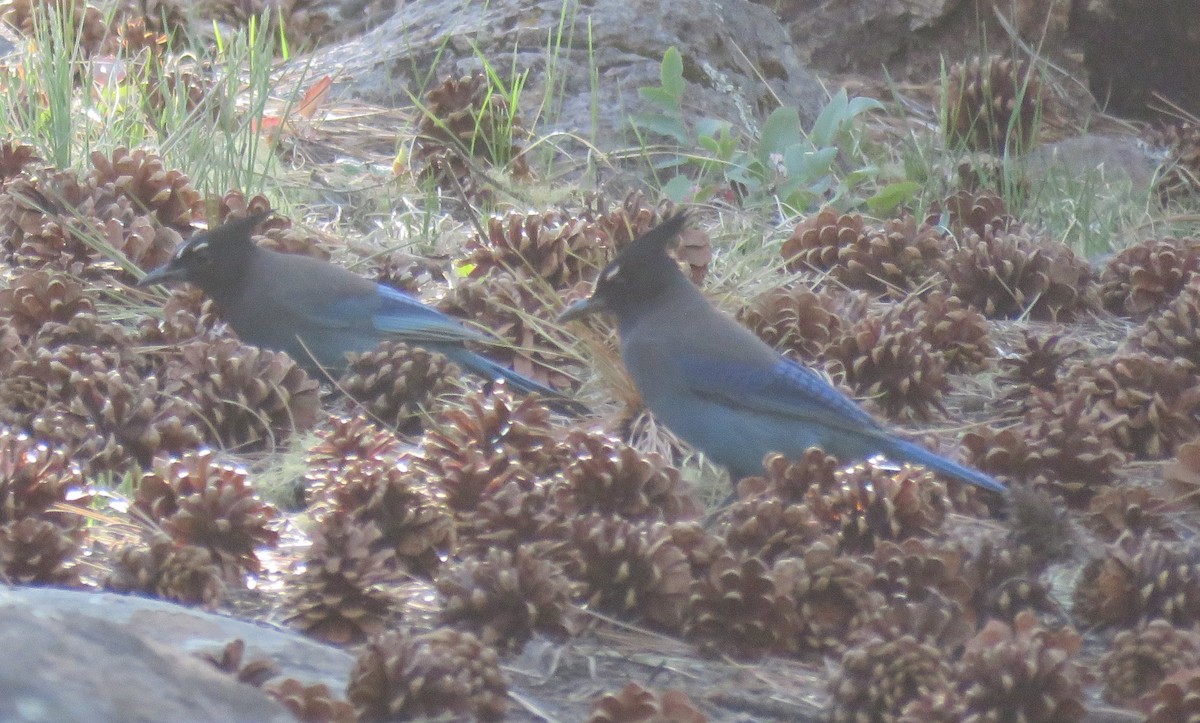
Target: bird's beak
(162, 275)
(582, 308)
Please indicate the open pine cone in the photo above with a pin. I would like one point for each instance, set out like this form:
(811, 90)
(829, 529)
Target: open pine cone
(1140, 579)
(887, 360)
(395, 382)
(30, 299)
(878, 677)
(795, 321)
(635, 704)
(870, 504)
(832, 596)
(975, 211)
(916, 570)
(960, 333)
(1173, 331)
(166, 194)
(764, 526)
(1137, 661)
(401, 675)
(991, 104)
(738, 609)
(1139, 511)
(561, 249)
(1036, 365)
(504, 597)
(167, 569)
(35, 478)
(34, 551)
(1181, 176)
(1146, 276)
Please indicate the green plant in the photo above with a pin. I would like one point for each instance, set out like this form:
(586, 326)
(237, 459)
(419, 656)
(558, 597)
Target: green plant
(785, 164)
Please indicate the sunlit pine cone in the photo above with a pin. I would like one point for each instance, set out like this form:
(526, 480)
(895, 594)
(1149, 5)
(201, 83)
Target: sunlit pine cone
(635, 704)
(630, 569)
(738, 609)
(515, 311)
(609, 477)
(187, 315)
(166, 194)
(396, 382)
(896, 366)
(1146, 276)
(1172, 332)
(461, 118)
(889, 258)
(634, 216)
(960, 333)
(794, 321)
(231, 660)
(992, 104)
(504, 597)
(561, 249)
(87, 23)
(117, 421)
(36, 236)
(199, 501)
(1181, 173)
(342, 440)
(1176, 699)
(1018, 273)
(310, 703)
(166, 569)
(1183, 472)
(871, 504)
(469, 448)
(791, 480)
(35, 551)
(1036, 365)
(1022, 672)
(1138, 580)
(344, 593)
(31, 298)
(1137, 661)
(411, 514)
(915, 570)
(40, 376)
(512, 514)
(250, 398)
(877, 677)
(400, 675)
(34, 479)
(766, 527)
(832, 596)
(1147, 405)
(1139, 511)
(14, 157)
(971, 211)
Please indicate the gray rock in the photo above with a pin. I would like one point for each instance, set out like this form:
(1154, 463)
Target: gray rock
(97, 657)
(738, 61)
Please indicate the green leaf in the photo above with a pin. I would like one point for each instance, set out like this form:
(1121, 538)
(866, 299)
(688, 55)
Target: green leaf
(892, 195)
(711, 127)
(666, 125)
(780, 131)
(678, 189)
(861, 105)
(830, 120)
(807, 165)
(660, 98)
(672, 73)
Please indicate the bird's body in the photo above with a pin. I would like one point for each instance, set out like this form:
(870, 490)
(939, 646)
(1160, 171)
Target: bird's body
(315, 311)
(721, 388)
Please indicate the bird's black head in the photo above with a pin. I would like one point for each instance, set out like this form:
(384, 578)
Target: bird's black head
(210, 258)
(639, 274)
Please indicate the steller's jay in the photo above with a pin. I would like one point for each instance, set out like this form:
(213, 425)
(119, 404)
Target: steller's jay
(720, 387)
(316, 311)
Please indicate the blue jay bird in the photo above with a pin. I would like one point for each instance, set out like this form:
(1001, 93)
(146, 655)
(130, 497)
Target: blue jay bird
(721, 388)
(318, 312)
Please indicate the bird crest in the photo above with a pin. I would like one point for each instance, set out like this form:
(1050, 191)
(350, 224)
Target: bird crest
(237, 230)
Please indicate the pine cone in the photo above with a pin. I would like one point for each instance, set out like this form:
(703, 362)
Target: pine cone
(916, 570)
(1017, 273)
(561, 249)
(790, 480)
(250, 398)
(1137, 580)
(880, 676)
(167, 195)
(1172, 332)
(1183, 472)
(633, 217)
(504, 597)
(343, 439)
(871, 504)
(410, 514)
(32, 298)
(770, 529)
(86, 22)
(635, 704)
(832, 596)
(975, 211)
(403, 676)
(1181, 172)
(13, 158)
(1176, 699)
(629, 568)
(1139, 511)
(38, 552)
(1021, 672)
(167, 569)
(396, 382)
(991, 105)
(310, 703)
(958, 332)
(342, 596)
(187, 315)
(701, 546)
(1036, 366)
(611, 478)
(890, 258)
(201, 502)
(512, 514)
(737, 608)
(1145, 277)
(34, 479)
(1005, 579)
(1139, 660)
(887, 360)
(45, 216)
(795, 321)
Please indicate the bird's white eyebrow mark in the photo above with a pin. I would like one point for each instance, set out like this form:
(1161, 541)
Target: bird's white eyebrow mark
(612, 272)
(194, 248)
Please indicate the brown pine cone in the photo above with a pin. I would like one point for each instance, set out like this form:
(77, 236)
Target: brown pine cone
(1145, 277)
(166, 194)
(167, 569)
(1138, 580)
(561, 249)
(396, 383)
(310, 703)
(738, 609)
(832, 596)
(1036, 366)
(991, 104)
(1176, 699)
(38, 552)
(878, 677)
(635, 704)
(33, 298)
(871, 504)
(895, 365)
(795, 321)
(1139, 511)
(1137, 661)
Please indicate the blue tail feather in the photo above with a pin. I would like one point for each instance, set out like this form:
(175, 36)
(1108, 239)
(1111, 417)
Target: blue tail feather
(489, 369)
(903, 450)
